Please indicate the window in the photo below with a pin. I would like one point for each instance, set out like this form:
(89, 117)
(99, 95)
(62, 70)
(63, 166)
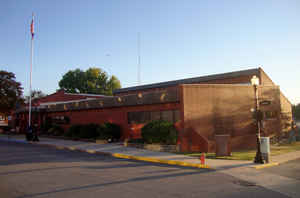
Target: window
(144, 116)
(167, 115)
(176, 115)
(147, 116)
(155, 115)
(270, 114)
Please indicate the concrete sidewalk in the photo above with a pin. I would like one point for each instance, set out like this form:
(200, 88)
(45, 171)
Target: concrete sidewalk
(120, 151)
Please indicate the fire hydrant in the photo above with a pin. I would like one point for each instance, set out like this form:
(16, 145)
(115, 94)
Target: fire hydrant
(202, 158)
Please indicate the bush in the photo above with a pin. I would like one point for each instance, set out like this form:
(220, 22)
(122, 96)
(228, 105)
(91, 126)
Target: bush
(73, 131)
(46, 125)
(94, 131)
(110, 131)
(137, 141)
(89, 131)
(159, 131)
(56, 130)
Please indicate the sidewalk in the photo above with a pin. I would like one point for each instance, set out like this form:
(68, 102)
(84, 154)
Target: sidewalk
(119, 151)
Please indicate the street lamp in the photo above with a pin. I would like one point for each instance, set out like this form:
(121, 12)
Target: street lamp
(258, 157)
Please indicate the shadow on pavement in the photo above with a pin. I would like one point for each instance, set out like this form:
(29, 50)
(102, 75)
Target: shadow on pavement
(136, 179)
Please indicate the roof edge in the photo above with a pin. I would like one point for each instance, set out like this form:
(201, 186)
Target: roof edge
(182, 81)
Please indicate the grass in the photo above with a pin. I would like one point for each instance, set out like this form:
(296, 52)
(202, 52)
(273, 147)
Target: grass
(241, 155)
(285, 148)
(250, 154)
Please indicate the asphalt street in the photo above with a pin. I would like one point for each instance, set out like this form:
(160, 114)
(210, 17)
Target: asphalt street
(37, 171)
(290, 169)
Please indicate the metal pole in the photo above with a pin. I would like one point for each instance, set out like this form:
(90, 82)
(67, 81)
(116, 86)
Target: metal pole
(139, 59)
(31, 62)
(258, 157)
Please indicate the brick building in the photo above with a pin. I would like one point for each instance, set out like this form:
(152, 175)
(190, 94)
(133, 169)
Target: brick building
(201, 109)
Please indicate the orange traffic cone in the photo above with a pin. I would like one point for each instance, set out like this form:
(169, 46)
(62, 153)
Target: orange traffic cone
(202, 158)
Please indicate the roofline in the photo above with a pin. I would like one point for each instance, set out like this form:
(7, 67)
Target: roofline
(83, 94)
(66, 102)
(262, 71)
(189, 80)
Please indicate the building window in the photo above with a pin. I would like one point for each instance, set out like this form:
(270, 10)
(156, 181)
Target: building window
(155, 115)
(270, 114)
(147, 116)
(167, 116)
(176, 114)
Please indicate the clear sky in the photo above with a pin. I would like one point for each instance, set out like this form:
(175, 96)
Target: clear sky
(179, 39)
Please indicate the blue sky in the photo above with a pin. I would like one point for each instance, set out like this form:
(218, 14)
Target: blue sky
(179, 39)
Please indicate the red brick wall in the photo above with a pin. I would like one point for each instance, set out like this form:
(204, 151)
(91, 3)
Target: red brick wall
(224, 109)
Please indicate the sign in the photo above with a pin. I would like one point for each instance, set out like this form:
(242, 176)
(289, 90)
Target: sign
(265, 102)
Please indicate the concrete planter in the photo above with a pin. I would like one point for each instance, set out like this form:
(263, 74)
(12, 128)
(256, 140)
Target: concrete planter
(101, 141)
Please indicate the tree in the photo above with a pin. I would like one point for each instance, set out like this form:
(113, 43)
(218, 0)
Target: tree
(10, 92)
(296, 111)
(35, 94)
(92, 81)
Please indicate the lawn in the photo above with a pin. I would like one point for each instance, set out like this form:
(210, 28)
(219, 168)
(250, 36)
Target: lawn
(250, 154)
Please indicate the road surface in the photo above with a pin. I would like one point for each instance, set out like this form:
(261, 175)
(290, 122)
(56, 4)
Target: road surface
(37, 171)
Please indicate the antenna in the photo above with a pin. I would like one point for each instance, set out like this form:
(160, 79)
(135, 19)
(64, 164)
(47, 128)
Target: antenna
(139, 59)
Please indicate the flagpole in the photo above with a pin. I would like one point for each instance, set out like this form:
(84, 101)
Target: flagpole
(139, 59)
(31, 62)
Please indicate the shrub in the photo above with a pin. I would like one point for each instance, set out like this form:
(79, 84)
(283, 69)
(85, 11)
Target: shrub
(46, 125)
(56, 130)
(159, 131)
(73, 131)
(93, 131)
(137, 141)
(89, 131)
(108, 131)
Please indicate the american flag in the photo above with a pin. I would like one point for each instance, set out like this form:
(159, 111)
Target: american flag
(32, 29)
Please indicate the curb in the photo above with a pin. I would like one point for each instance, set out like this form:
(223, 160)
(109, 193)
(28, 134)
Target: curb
(265, 165)
(155, 160)
(122, 156)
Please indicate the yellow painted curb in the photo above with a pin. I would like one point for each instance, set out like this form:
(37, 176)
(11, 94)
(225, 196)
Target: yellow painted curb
(91, 151)
(59, 147)
(71, 148)
(170, 162)
(266, 165)
(146, 159)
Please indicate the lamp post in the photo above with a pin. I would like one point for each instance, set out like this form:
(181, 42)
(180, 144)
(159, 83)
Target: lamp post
(258, 157)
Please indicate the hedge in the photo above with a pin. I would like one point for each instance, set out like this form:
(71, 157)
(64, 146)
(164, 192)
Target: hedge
(56, 130)
(109, 131)
(159, 131)
(106, 131)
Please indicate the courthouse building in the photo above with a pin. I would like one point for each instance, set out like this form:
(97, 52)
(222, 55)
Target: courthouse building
(201, 108)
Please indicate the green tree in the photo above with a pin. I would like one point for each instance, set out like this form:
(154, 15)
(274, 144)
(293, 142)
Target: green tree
(35, 94)
(10, 92)
(296, 111)
(92, 81)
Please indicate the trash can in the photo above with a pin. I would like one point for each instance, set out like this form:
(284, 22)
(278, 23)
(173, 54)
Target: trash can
(223, 145)
(265, 148)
